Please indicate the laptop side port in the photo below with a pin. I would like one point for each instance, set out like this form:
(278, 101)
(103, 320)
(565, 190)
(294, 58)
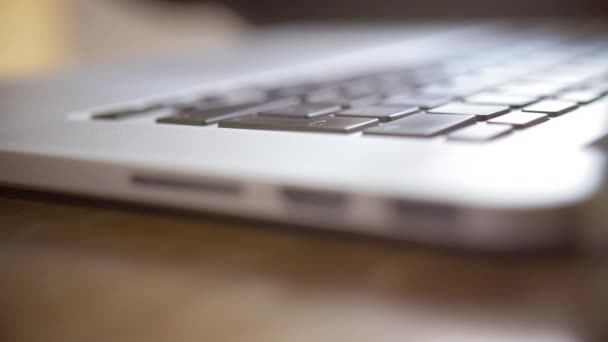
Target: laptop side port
(313, 199)
(423, 210)
(211, 186)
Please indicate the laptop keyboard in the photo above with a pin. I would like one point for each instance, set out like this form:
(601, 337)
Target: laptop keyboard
(473, 99)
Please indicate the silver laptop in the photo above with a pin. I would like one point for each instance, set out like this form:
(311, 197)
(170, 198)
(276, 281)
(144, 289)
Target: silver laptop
(476, 135)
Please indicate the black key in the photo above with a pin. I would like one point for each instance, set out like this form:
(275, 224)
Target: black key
(503, 99)
(580, 96)
(418, 100)
(520, 119)
(483, 112)
(480, 132)
(305, 110)
(382, 113)
(207, 116)
(326, 124)
(126, 112)
(551, 107)
(423, 125)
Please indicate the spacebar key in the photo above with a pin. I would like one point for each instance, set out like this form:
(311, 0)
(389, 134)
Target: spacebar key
(325, 124)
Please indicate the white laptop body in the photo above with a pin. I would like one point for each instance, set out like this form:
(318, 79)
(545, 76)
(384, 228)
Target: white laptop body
(536, 187)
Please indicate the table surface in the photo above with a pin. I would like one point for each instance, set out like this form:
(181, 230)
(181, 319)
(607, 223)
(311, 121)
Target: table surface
(76, 269)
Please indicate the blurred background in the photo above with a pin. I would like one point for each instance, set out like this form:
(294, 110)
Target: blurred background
(43, 35)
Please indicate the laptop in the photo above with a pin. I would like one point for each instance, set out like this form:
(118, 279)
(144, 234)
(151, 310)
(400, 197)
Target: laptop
(486, 135)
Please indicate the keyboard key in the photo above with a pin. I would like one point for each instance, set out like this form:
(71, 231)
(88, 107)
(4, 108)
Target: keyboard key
(422, 125)
(503, 99)
(480, 132)
(520, 119)
(551, 107)
(382, 113)
(206, 116)
(418, 100)
(482, 112)
(326, 124)
(305, 110)
(580, 96)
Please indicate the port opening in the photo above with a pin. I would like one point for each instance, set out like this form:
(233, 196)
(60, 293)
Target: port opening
(424, 210)
(310, 198)
(213, 186)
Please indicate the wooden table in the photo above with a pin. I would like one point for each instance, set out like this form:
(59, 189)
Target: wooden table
(75, 269)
